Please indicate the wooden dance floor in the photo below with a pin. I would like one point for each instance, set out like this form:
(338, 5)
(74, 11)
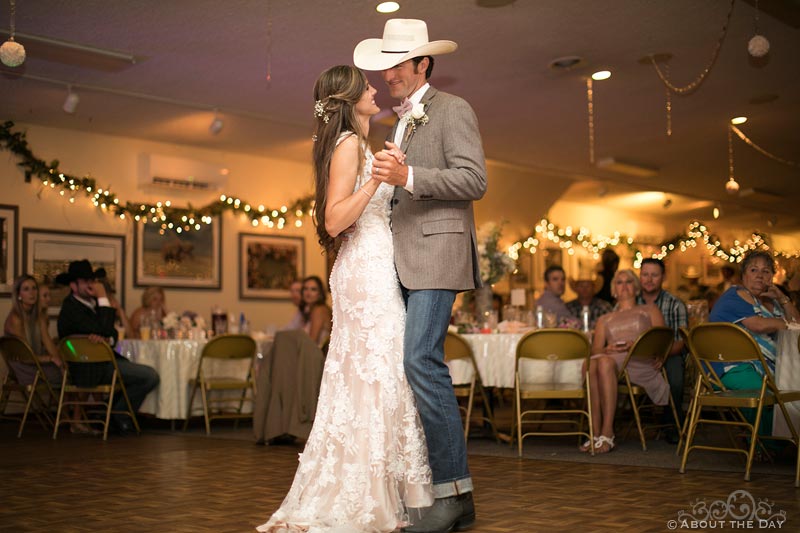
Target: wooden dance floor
(173, 482)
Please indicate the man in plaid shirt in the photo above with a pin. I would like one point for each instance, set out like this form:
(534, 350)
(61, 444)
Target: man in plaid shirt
(675, 316)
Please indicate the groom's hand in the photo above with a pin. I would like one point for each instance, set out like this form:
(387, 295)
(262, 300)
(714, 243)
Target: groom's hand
(387, 169)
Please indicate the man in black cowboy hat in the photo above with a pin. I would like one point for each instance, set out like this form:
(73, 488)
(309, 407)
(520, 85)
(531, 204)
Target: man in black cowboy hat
(88, 311)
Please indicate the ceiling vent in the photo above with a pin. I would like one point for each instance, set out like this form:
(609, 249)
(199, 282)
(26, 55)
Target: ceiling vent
(179, 173)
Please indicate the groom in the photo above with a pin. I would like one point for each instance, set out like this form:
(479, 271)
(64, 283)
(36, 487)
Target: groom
(434, 243)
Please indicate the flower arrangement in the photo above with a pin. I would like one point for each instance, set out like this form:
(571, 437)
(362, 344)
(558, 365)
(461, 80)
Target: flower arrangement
(494, 263)
(170, 320)
(190, 319)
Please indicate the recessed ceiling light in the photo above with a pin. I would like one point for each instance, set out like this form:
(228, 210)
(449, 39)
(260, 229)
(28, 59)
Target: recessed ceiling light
(738, 120)
(387, 7)
(601, 75)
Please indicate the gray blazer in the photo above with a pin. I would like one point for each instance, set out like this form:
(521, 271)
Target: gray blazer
(434, 229)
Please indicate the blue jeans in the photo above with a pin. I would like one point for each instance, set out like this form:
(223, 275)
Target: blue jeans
(427, 318)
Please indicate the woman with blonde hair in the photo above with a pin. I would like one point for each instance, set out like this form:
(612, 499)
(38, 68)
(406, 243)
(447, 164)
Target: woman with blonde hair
(152, 309)
(614, 335)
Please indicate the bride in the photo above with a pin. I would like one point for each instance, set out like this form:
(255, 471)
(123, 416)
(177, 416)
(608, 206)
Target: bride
(365, 462)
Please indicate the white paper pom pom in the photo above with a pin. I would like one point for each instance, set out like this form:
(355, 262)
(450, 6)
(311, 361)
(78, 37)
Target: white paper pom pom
(12, 54)
(758, 46)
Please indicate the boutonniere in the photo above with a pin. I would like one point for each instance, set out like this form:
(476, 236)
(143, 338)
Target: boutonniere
(415, 117)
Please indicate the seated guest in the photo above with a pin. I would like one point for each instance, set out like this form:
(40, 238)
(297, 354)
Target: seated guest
(28, 320)
(555, 283)
(296, 295)
(762, 309)
(586, 286)
(316, 312)
(44, 302)
(152, 309)
(87, 311)
(613, 337)
(609, 263)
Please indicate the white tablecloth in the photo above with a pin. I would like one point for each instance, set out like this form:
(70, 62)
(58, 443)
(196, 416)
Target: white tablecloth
(176, 363)
(495, 355)
(787, 376)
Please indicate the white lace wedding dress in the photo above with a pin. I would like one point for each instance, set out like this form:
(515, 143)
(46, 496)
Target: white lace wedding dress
(365, 460)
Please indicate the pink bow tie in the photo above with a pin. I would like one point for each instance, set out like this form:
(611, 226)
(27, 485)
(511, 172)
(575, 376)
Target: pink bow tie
(404, 107)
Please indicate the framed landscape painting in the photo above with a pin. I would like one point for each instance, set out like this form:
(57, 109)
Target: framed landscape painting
(268, 264)
(47, 253)
(9, 217)
(166, 258)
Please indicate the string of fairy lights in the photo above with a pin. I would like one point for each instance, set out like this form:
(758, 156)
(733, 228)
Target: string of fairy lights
(696, 234)
(168, 216)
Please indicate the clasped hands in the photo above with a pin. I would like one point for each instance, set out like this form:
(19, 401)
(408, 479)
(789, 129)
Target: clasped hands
(389, 166)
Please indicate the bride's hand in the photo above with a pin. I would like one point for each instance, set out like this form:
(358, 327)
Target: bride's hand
(395, 151)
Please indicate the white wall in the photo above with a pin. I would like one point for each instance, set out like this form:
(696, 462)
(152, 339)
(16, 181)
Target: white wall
(112, 161)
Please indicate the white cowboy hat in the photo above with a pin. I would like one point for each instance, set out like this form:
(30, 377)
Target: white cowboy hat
(403, 39)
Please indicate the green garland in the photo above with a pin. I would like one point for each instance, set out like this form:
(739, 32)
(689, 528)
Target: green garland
(695, 234)
(163, 213)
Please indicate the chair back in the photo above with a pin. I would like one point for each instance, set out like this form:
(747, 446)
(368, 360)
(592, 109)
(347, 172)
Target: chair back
(456, 347)
(553, 344)
(15, 349)
(723, 342)
(234, 346)
(79, 349)
(655, 342)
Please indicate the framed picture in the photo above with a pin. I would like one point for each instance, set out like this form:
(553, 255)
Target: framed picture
(47, 253)
(188, 260)
(712, 271)
(268, 264)
(9, 220)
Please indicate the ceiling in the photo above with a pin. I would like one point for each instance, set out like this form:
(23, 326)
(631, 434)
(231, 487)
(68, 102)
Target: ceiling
(192, 57)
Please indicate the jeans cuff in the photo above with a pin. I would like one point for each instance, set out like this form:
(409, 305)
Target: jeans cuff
(452, 488)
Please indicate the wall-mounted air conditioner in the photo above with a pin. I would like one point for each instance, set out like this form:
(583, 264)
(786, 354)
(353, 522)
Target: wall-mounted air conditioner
(178, 173)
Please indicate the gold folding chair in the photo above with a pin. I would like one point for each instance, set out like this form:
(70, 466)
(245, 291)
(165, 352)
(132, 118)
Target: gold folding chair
(553, 345)
(79, 350)
(16, 351)
(655, 343)
(691, 376)
(728, 343)
(456, 348)
(227, 348)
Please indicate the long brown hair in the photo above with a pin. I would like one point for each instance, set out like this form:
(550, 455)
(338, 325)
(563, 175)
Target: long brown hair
(30, 318)
(336, 93)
